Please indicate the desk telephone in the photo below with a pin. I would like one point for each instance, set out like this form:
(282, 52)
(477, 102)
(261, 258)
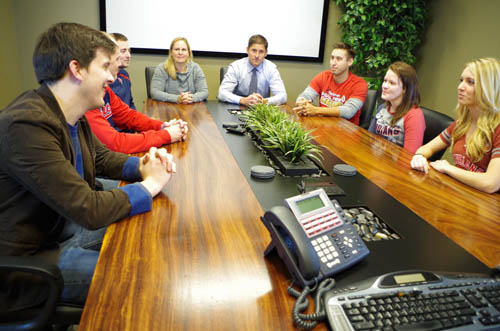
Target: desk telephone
(313, 237)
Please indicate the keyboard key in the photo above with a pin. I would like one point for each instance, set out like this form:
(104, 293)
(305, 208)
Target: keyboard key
(477, 302)
(484, 312)
(461, 305)
(357, 318)
(446, 323)
(352, 312)
(466, 320)
(467, 311)
(363, 325)
(485, 320)
(421, 326)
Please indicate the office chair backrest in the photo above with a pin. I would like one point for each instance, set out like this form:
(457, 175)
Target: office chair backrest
(51, 311)
(368, 108)
(149, 76)
(435, 123)
(222, 73)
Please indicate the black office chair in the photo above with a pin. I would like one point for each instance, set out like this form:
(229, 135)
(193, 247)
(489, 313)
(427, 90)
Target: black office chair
(368, 108)
(435, 123)
(50, 315)
(149, 71)
(222, 72)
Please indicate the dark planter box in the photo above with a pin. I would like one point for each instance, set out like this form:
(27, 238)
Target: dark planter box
(303, 167)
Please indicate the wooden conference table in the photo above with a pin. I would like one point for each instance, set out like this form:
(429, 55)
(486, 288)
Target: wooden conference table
(195, 262)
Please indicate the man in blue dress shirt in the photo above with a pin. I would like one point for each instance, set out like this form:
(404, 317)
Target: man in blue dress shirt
(122, 85)
(250, 80)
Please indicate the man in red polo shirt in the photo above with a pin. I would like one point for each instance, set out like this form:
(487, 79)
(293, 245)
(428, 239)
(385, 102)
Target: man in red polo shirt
(341, 93)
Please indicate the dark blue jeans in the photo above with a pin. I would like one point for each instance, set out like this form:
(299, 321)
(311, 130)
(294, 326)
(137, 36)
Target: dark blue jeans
(77, 262)
(79, 254)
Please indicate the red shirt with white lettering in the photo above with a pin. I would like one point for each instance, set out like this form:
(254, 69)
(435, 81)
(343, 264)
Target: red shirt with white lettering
(460, 155)
(115, 114)
(332, 94)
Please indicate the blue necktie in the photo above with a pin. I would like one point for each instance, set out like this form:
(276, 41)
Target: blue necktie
(253, 82)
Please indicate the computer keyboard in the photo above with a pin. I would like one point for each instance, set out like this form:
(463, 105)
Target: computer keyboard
(416, 300)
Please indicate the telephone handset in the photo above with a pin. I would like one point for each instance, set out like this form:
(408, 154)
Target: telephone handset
(313, 237)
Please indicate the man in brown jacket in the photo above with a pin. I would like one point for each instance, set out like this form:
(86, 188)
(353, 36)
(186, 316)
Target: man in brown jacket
(50, 158)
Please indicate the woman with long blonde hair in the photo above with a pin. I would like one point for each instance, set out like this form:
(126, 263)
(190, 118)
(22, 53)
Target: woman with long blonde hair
(475, 134)
(179, 79)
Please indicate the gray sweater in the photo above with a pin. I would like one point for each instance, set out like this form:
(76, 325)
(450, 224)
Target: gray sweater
(164, 88)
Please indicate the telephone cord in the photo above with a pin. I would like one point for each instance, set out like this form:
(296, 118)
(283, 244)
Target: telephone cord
(309, 321)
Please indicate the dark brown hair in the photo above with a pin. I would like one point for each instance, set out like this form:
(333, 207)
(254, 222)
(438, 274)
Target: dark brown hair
(257, 39)
(64, 42)
(346, 47)
(411, 95)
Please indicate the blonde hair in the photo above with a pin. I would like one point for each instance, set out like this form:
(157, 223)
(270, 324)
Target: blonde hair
(486, 74)
(169, 64)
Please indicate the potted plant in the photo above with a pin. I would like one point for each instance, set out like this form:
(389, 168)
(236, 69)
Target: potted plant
(382, 32)
(286, 142)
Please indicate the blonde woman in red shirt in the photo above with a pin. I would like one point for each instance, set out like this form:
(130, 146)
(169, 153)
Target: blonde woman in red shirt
(475, 134)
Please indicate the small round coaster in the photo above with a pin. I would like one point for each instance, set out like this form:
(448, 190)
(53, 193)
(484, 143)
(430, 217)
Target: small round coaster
(344, 170)
(262, 172)
(226, 125)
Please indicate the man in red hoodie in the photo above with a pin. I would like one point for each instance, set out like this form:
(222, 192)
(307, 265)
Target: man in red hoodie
(110, 122)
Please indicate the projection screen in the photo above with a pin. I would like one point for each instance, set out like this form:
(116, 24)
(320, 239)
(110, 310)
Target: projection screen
(295, 29)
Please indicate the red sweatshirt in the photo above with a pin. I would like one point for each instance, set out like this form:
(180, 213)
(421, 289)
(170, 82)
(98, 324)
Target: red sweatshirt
(117, 114)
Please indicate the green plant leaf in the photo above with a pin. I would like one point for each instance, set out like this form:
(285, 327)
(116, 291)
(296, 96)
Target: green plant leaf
(391, 29)
(277, 130)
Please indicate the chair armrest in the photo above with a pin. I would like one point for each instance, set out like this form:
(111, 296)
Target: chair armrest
(50, 273)
(31, 265)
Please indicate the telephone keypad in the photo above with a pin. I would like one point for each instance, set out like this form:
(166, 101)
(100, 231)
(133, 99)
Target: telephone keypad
(337, 246)
(326, 251)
